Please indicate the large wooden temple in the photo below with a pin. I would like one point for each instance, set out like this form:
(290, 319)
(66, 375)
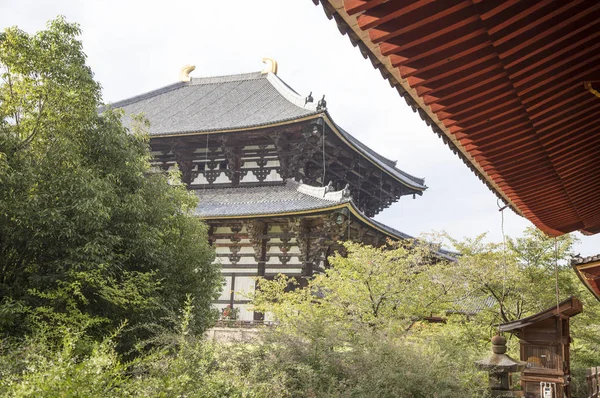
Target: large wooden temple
(278, 182)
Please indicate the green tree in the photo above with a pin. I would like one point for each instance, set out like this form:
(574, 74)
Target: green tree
(518, 278)
(501, 283)
(349, 332)
(90, 235)
(368, 287)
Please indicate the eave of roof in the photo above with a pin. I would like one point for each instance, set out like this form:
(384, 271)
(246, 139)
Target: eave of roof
(588, 271)
(288, 198)
(569, 307)
(447, 58)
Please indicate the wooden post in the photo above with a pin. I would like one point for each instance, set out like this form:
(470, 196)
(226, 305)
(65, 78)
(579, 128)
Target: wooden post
(592, 378)
(597, 382)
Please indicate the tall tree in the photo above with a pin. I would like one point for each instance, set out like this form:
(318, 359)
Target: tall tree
(89, 233)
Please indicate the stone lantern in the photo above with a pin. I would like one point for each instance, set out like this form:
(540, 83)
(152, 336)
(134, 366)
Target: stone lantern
(499, 367)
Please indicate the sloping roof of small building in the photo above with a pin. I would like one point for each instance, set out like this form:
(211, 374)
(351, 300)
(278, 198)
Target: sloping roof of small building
(287, 199)
(235, 103)
(569, 307)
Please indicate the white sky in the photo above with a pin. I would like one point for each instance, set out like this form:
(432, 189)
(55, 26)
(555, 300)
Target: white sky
(137, 46)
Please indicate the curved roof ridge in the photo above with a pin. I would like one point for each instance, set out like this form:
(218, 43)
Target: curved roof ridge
(289, 93)
(326, 193)
(225, 78)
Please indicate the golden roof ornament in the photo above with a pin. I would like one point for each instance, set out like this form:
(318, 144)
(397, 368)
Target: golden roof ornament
(184, 75)
(271, 66)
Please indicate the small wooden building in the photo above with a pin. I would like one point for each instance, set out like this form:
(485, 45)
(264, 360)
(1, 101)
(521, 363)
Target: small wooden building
(544, 339)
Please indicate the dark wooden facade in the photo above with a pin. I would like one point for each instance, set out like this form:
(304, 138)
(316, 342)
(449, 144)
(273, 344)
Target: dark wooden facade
(310, 151)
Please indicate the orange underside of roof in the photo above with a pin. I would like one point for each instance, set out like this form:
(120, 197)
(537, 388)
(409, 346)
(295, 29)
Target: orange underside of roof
(508, 82)
(590, 276)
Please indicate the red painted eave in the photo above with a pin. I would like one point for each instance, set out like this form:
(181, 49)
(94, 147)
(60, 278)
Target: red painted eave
(589, 274)
(508, 83)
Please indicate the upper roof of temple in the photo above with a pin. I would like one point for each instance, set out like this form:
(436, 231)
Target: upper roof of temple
(218, 103)
(238, 102)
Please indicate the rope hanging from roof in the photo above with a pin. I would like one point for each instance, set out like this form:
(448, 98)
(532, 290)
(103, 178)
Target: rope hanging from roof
(556, 275)
(324, 169)
(205, 161)
(504, 277)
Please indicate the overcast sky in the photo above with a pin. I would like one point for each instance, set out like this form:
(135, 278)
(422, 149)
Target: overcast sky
(138, 46)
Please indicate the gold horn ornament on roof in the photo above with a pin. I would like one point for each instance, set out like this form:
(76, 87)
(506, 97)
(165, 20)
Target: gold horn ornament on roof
(184, 75)
(271, 67)
(591, 89)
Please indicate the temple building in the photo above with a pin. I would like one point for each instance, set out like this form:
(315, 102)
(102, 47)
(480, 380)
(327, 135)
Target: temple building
(278, 181)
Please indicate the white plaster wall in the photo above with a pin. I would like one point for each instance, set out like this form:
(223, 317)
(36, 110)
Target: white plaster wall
(273, 176)
(222, 179)
(244, 287)
(237, 270)
(245, 314)
(226, 292)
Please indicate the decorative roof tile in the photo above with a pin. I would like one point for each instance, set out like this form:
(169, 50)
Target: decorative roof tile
(578, 260)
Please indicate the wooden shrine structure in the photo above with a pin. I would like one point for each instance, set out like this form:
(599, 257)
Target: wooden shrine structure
(544, 345)
(279, 182)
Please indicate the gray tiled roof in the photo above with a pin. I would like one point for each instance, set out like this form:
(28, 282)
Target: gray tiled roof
(244, 201)
(578, 260)
(235, 102)
(217, 103)
(285, 198)
(472, 304)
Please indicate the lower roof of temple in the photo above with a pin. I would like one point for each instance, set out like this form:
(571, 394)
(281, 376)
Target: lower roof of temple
(290, 198)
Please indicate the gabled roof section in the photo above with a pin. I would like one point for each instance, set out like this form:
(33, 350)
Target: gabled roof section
(588, 271)
(218, 104)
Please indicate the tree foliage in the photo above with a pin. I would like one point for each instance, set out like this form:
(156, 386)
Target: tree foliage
(369, 287)
(90, 236)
